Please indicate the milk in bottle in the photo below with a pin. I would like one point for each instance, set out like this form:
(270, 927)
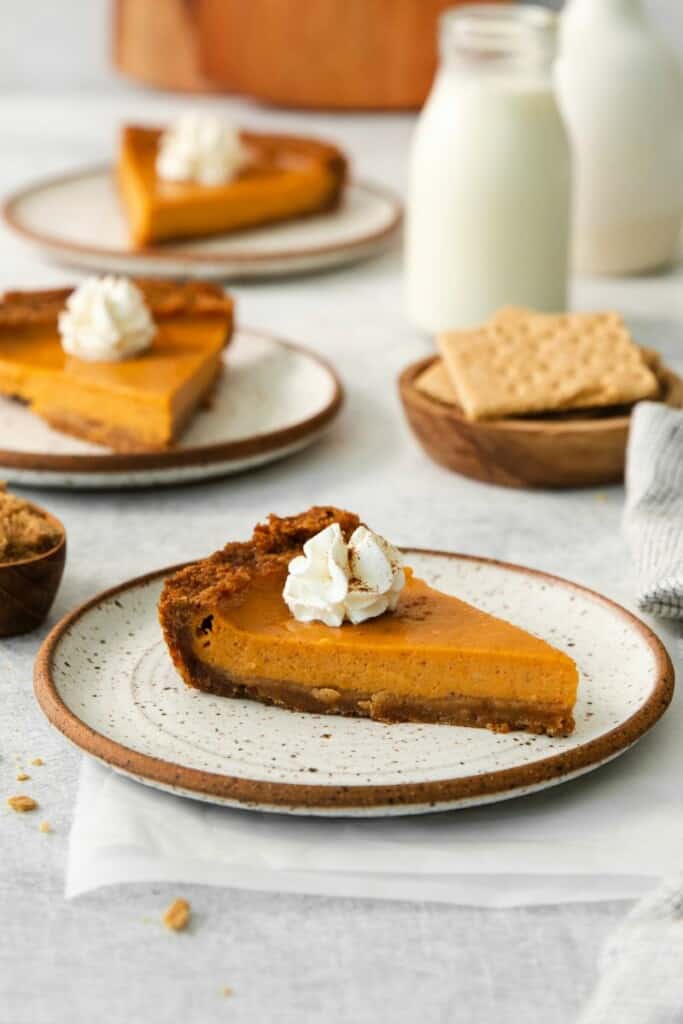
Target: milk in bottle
(489, 197)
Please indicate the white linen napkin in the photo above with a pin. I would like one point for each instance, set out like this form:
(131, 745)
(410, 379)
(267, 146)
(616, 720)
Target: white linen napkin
(642, 964)
(609, 835)
(653, 518)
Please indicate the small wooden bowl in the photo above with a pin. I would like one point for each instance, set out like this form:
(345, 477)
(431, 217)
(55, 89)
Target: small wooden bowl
(28, 588)
(571, 452)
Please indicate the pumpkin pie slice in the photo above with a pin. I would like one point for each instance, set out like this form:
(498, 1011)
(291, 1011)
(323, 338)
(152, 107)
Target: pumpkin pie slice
(286, 177)
(433, 659)
(142, 403)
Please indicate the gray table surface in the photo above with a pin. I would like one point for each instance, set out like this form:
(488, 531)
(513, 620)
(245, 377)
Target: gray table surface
(105, 956)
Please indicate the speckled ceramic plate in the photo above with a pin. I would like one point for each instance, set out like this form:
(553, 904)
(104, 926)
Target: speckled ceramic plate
(76, 219)
(274, 399)
(104, 678)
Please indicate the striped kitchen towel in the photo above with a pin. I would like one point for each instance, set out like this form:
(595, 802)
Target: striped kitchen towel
(653, 519)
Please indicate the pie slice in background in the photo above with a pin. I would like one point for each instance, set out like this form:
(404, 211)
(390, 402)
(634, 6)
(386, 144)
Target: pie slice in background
(287, 177)
(142, 403)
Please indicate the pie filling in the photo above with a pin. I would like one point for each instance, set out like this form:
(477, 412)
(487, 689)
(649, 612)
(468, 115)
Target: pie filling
(435, 659)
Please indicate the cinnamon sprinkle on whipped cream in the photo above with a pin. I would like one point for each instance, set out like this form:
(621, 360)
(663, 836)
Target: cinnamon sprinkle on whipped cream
(334, 581)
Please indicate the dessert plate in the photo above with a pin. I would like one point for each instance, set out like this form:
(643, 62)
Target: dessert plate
(76, 219)
(274, 399)
(104, 678)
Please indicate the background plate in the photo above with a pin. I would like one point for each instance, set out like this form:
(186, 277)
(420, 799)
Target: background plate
(104, 678)
(273, 399)
(76, 219)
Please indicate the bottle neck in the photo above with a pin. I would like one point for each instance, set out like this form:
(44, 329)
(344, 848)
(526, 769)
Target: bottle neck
(494, 40)
(593, 9)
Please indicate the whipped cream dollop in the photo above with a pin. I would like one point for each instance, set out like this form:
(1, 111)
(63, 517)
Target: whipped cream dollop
(334, 581)
(201, 148)
(106, 320)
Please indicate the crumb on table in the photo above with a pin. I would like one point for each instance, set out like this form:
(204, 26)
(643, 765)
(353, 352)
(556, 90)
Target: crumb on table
(21, 804)
(177, 916)
(37, 761)
(22, 777)
(45, 826)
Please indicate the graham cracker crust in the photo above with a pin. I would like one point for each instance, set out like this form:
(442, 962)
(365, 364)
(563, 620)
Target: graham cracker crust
(164, 299)
(482, 713)
(116, 438)
(224, 575)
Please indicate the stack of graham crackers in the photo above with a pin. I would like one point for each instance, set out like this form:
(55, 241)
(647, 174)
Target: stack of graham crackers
(523, 363)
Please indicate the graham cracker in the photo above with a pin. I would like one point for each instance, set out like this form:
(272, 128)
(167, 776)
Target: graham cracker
(652, 359)
(511, 314)
(435, 383)
(524, 363)
(672, 388)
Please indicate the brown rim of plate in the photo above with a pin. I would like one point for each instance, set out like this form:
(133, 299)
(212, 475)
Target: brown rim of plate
(19, 563)
(289, 795)
(171, 458)
(408, 377)
(166, 252)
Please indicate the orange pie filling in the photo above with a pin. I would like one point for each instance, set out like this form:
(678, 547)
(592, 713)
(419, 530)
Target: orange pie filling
(435, 658)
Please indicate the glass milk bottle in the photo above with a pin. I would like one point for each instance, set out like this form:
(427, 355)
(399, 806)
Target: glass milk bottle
(621, 91)
(489, 198)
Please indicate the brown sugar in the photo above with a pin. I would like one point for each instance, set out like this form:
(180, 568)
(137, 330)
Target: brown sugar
(25, 531)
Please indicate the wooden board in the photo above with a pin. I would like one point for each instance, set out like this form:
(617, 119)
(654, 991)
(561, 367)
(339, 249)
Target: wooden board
(334, 54)
(157, 42)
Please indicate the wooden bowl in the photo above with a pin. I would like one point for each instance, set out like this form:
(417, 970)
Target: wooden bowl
(28, 588)
(568, 452)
